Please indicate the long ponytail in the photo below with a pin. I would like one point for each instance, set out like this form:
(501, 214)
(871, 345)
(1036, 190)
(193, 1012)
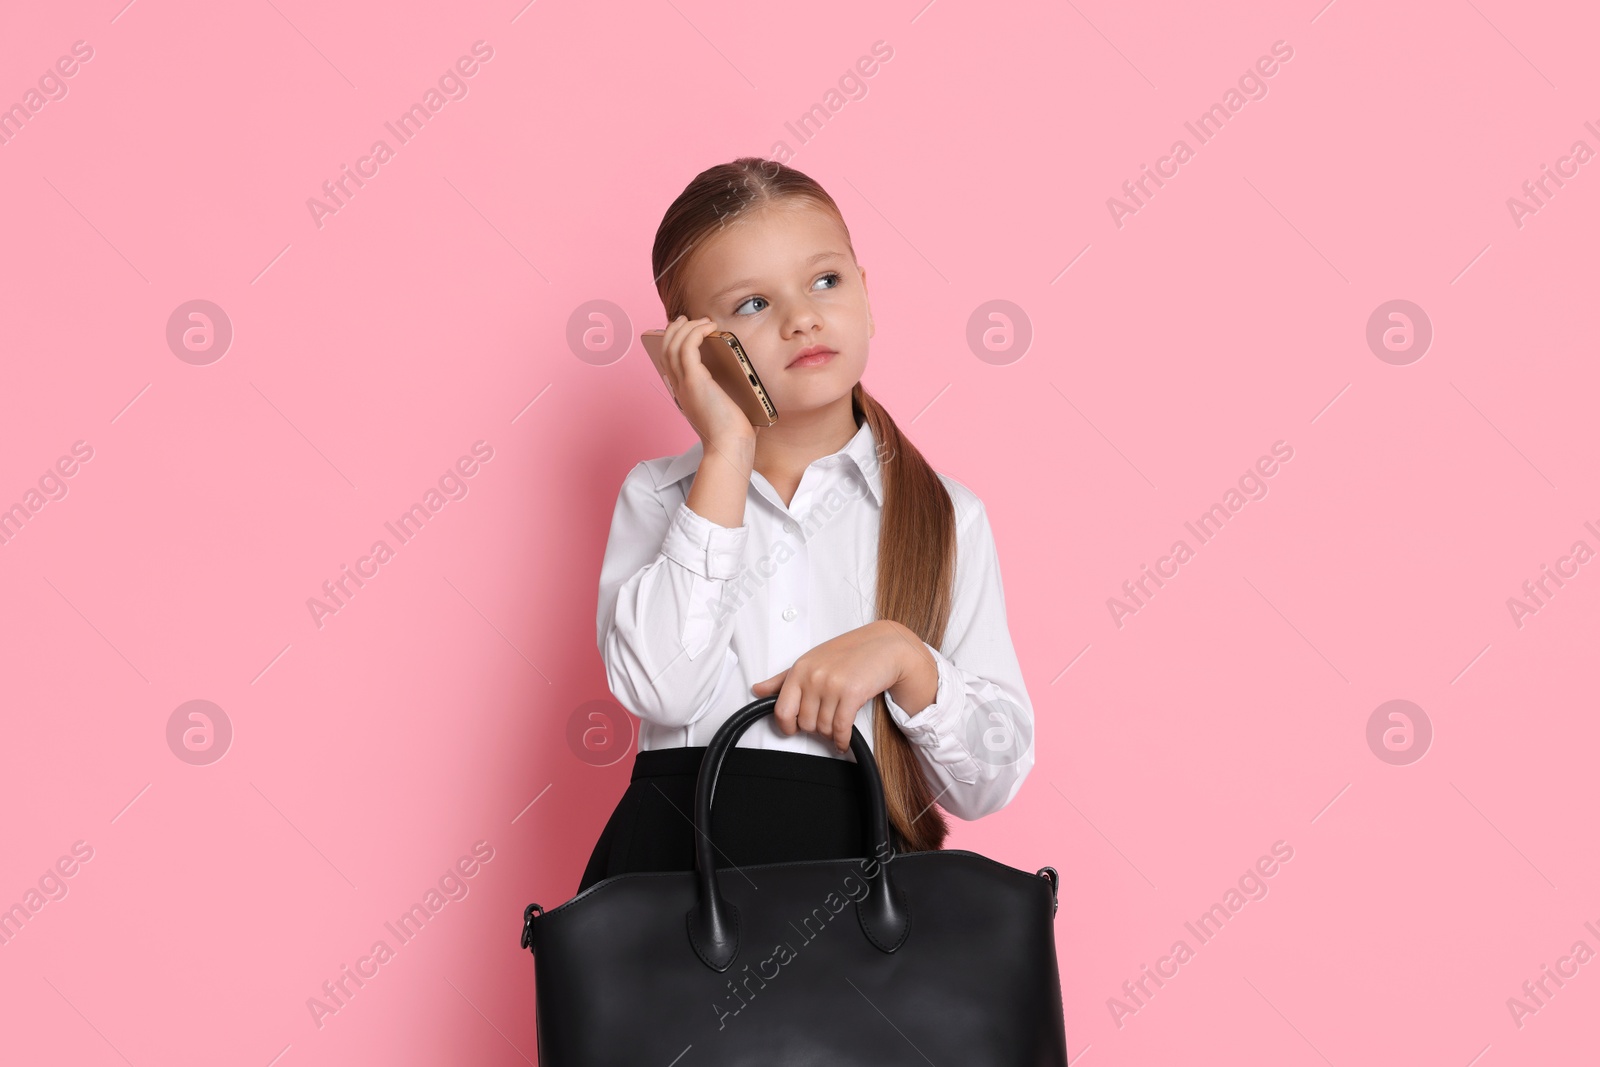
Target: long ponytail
(916, 575)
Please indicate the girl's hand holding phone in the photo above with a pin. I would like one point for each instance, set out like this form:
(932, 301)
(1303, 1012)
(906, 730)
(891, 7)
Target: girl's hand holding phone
(715, 416)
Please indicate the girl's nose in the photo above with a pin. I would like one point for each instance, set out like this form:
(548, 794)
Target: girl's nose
(803, 318)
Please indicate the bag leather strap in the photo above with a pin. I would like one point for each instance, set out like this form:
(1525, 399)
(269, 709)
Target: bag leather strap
(713, 922)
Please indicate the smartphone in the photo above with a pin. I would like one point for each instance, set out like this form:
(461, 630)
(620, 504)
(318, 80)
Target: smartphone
(723, 355)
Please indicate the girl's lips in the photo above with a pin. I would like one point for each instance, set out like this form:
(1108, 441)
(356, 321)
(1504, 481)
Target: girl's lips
(816, 360)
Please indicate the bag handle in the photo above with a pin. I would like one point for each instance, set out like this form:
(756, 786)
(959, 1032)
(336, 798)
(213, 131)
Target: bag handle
(714, 922)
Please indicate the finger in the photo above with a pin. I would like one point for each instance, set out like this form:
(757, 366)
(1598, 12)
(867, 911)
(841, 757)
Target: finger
(689, 350)
(663, 363)
(659, 358)
(846, 734)
(674, 334)
(669, 351)
(670, 334)
(686, 350)
(827, 719)
(810, 705)
(842, 720)
(787, 708)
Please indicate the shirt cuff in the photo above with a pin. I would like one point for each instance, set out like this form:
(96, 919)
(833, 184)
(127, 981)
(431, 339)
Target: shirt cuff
(710, 550)
(934, 727)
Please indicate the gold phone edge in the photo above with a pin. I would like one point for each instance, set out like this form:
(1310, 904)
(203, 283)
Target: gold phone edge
(750, 372)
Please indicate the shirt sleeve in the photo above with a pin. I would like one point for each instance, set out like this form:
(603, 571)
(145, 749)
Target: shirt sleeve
(975, 741)
(661, 628)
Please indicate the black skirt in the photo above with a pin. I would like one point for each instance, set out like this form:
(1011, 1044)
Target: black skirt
(770, 807)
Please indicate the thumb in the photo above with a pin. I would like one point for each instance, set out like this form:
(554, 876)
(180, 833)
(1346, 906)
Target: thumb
(770, 685)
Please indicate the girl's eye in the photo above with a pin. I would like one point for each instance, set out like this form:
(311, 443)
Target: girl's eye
(834, 275)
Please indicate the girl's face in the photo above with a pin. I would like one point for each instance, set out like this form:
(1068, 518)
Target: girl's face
(784, 280)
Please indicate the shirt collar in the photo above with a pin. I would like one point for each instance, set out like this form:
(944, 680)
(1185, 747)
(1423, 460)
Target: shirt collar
(861, 450)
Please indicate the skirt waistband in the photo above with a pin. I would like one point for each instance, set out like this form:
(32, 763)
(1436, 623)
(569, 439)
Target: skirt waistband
(837, 771)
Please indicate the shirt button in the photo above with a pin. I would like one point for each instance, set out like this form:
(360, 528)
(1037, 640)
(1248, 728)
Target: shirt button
(790, 528)
(789, 613)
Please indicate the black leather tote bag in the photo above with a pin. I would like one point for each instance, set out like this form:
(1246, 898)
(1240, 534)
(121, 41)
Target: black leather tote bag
(942, 957)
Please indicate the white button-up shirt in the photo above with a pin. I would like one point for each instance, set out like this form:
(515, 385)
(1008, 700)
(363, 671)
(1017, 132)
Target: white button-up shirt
(692, 614)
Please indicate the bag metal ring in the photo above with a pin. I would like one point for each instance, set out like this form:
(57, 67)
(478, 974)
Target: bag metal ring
(530, 913)
(1055, 885)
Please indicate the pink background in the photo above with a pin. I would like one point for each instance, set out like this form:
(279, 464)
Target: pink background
(433, 311)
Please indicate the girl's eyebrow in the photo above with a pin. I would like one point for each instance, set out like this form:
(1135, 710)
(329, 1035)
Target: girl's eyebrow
(747, 282)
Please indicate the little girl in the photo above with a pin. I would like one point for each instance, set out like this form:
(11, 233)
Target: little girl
(820, 559)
